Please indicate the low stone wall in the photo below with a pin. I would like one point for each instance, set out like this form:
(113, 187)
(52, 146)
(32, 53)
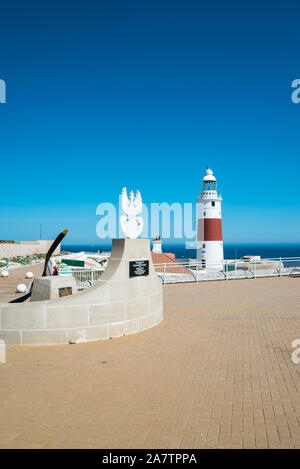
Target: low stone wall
(26, 248)
(115, 305)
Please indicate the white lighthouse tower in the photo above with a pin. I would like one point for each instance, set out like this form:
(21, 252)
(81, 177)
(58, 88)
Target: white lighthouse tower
(209, 229)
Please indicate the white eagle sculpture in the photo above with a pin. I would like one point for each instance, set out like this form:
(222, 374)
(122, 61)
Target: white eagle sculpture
(131, 224)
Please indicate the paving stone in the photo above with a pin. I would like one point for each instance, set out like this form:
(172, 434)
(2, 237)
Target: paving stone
(216, 373)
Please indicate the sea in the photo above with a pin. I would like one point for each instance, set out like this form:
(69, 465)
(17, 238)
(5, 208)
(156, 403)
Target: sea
(231, 251)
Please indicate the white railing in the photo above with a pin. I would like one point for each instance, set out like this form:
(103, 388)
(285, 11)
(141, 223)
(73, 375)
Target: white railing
(86, 278)
(192, 271)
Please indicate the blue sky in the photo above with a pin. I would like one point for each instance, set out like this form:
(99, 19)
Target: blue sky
(102, 95)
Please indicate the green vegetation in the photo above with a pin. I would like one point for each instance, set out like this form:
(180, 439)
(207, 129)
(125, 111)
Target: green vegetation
(18, 260)
(29, 259)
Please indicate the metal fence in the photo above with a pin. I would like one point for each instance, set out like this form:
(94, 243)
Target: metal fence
(192, 271)
(86, 278)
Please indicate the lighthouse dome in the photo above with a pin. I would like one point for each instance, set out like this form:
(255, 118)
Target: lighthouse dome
(209, 176)
(209, 184)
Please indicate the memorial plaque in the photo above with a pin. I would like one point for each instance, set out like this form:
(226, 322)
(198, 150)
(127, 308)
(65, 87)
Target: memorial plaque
(138, 268)
(65, 291)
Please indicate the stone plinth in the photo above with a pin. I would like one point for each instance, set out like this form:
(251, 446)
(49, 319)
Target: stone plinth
(50, 288)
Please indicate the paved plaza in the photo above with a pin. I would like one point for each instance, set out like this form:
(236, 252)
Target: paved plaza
(216, 373)
(16, 276)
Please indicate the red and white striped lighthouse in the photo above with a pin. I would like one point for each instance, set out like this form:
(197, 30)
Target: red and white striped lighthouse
(209, 230)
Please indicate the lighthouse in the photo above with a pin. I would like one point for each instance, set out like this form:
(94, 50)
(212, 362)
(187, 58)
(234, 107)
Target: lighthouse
(209, 229)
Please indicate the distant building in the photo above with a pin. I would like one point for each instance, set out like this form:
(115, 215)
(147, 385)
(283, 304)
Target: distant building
(164, 262)
(157, 245)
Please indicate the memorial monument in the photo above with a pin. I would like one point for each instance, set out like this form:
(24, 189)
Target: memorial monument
(126, 299)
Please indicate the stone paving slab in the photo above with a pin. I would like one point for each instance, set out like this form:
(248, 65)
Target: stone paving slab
(223, 379)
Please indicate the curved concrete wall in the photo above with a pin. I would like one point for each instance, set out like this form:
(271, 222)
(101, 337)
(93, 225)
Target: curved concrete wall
(115, 305)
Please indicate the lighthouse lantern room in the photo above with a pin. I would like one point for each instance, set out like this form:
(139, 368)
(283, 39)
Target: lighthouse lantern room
(209, 229)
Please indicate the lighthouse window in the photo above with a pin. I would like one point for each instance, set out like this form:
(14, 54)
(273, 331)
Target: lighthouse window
(213, 204)
(209, 186)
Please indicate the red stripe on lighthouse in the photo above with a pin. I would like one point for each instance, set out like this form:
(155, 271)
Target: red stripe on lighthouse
(212, 229)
